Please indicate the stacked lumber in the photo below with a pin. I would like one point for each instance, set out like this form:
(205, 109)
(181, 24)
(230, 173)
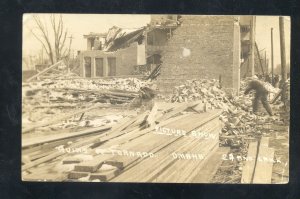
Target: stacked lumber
(142, 142)
(151, 168)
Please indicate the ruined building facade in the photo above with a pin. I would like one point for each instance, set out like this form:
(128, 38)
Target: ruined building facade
(203, 47)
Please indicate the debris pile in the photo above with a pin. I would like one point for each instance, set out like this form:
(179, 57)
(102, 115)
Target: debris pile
(42, 100)
(239, 122)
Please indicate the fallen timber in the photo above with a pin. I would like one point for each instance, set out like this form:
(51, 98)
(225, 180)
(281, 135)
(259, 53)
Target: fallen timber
(130, 136)
(65, 116)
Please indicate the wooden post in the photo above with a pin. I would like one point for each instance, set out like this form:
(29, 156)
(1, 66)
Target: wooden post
(266, 67)
(282, 52)
(252, 45)
(272, 57)
(258, 54)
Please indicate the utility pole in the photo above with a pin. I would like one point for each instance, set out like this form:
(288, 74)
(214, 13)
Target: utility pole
(71, 38)
(266, 67)
(252, 45)
(283, 58)
(272, 57)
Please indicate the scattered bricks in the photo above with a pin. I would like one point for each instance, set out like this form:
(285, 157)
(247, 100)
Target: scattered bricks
(106, 175)
(77, 175)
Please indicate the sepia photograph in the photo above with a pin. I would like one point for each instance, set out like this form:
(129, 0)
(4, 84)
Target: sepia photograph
(155, 98)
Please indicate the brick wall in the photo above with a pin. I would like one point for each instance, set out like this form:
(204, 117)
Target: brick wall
(202, 47)
(126, 59)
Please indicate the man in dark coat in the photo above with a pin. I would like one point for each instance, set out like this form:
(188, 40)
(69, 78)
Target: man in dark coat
(261, 94)
(147, 95)
(145, 100)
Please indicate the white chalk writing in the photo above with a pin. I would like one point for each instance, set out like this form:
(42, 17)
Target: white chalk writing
(71, 149)
(178, 132)
(188, 156)
(125, 153)
(231, 157)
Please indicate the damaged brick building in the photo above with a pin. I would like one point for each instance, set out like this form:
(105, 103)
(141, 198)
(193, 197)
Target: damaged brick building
(205, 47)
(188, 46)
(122, 52)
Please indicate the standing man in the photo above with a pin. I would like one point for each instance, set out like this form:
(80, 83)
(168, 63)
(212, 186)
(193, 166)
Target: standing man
(261, 94)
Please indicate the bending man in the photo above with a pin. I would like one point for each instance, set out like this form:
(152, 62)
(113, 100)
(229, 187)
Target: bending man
(261, 94)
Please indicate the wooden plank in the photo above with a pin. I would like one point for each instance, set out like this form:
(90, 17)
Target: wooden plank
(74, 145)
(208, 171)
(190, 123)
(64, 117)
(71, 160)
(45, 139)
(40, 155)
(177, 110)
(189, 176)
(77, 174)
(91, 165)
(186, 122)
(264, 142)
(57, 105)
(263, 170)
(248, 168)
(49, 146)
(171, 173)
(44, 71)
(167, 143)
(130, 135)
(49, 177)
(105, 175)
(188, 166)
(62, 136)
(149, 167)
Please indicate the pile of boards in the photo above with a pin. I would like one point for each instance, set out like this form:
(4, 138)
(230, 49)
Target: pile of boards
(41, 100)
(150, 147)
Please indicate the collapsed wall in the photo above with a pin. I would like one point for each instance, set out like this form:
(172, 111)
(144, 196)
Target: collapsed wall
(202, 47)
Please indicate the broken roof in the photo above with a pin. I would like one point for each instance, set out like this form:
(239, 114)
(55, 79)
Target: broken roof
(118, 37)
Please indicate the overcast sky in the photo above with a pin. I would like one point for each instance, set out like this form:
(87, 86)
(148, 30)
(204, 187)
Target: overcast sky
(80, 24)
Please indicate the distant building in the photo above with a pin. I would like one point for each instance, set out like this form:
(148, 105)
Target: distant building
(126, 51)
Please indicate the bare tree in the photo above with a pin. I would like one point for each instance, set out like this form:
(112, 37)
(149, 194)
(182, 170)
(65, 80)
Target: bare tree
(57, 50)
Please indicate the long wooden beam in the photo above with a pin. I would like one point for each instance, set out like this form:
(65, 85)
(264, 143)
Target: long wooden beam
(44, 71)
(45, 139)
(74, 145)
